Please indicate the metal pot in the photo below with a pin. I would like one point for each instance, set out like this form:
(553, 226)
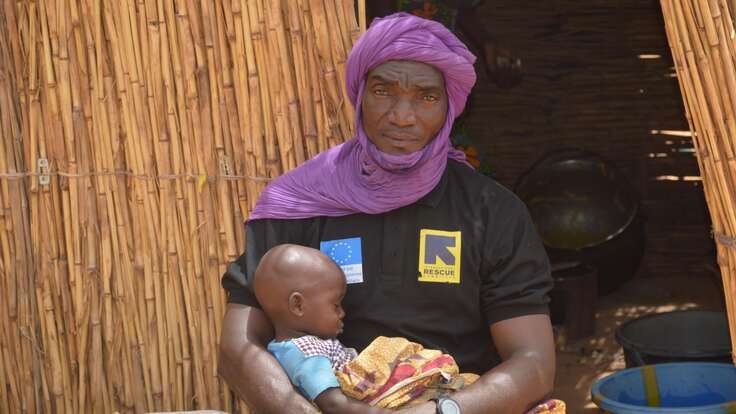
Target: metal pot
(584, 209)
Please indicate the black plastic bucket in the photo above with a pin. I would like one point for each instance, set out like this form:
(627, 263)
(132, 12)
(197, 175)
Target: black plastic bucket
(679, 336)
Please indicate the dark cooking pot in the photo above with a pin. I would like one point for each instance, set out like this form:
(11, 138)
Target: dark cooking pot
(584, 209)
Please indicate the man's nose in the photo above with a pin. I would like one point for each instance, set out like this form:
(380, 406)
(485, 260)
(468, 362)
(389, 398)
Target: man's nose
(402, 113)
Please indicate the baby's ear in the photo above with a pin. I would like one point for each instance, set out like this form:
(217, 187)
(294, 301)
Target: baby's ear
(296, 304)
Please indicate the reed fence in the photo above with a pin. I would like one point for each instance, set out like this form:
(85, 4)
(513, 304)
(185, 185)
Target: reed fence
(700, 34)
(135, 138)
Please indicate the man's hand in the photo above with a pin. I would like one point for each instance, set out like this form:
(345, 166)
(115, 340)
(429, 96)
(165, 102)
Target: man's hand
(250, 370)
(333, 401)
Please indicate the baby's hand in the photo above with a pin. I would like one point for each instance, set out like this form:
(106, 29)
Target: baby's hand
(333, 401)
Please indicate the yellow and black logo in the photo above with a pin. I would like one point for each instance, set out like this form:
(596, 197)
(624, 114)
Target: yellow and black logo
(439, 256)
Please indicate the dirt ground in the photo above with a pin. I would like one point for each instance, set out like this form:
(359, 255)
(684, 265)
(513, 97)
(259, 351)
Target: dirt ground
(581, 363)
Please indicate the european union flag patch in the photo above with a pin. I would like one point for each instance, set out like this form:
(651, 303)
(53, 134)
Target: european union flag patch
(348, 255)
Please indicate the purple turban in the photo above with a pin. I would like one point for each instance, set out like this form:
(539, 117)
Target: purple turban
(355, 177)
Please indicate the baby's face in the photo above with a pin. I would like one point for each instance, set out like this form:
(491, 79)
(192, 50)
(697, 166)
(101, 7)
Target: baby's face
(323, 308)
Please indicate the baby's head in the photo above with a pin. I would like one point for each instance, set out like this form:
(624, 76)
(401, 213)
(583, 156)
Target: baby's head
(301, 291)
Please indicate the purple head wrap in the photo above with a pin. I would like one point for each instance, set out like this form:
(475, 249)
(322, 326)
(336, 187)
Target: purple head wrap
(355, 177)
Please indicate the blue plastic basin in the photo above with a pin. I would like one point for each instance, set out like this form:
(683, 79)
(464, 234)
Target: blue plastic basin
(683, 387)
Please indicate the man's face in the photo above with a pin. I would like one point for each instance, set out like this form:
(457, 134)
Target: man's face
(404, 106)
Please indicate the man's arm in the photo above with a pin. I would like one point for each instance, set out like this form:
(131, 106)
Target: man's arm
(525, 377)
(250, 370)
(256, 377)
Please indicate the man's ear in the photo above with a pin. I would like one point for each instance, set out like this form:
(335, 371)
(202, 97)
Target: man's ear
(296, 304)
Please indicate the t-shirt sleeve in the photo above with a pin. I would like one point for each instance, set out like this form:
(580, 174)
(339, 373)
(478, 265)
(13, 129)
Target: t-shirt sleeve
(260, 236)
(515, 271)
(312, 375)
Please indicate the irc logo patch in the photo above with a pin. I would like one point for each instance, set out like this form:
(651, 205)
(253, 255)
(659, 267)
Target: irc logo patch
(439, 256)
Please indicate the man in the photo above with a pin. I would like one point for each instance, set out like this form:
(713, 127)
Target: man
(432, 251)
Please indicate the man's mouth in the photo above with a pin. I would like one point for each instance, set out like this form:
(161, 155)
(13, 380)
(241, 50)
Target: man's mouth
(401, 138)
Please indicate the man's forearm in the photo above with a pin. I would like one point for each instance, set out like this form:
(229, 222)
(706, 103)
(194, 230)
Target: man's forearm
(269, 390)
(250, 370)
(510, 388)
(526, 376)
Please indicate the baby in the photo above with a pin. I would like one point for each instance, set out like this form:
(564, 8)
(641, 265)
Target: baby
(301, 290)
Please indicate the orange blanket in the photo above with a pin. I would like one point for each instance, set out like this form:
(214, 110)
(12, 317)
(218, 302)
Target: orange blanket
(395, 373)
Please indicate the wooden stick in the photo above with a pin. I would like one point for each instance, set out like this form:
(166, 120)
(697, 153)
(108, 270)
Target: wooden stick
(707, 80)
(362, 16)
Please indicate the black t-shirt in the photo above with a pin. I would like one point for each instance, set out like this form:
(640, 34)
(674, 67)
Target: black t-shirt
(437, 272)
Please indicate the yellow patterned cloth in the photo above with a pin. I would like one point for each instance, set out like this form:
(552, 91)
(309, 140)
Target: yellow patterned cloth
(549, 407)
(395, 373)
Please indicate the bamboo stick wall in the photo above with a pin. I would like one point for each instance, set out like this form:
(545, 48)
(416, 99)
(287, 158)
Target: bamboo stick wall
(160, 121)
(596, 75)
(700, 33)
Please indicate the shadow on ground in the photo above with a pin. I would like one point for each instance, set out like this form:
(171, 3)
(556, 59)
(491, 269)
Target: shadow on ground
(581, 363)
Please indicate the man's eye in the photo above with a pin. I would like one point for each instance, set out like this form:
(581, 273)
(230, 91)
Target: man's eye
(380, 92)
(431, 98)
